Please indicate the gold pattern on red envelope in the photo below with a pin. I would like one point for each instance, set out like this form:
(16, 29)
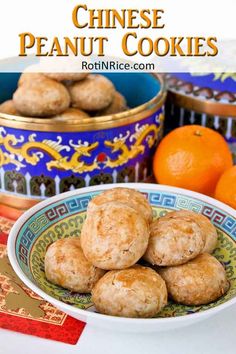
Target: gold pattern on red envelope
(5, 225)
(22, 310)
(16, 299)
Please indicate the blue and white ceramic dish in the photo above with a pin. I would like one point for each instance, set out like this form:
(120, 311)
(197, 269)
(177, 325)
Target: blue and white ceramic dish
(62, 216)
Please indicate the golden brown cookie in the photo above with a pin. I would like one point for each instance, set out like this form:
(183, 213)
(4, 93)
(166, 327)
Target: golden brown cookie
(128, 196)
(207, 228)
(71, 114)
(66, 76)
(200, 281)
(93, 93)
(43, 98)
(66, 265)
(133, 292)
(114, 236)
(174, 241)
(118, 105)
(8, 107)
(28, 77)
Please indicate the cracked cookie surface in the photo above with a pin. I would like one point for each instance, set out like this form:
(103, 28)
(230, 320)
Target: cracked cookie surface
(134, 292)
(93, 93)
(200, 281)
(114, 236)
(66, 265)
(43, 98)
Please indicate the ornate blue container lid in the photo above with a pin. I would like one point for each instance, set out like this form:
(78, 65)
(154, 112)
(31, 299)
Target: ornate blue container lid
(213, 93)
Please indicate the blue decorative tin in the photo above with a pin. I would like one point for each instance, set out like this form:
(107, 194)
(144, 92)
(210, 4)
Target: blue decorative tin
(43, 157)
(205, 99)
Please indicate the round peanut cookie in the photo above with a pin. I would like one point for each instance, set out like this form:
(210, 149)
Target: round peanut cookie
(43, 98)
(200, 281)
(128, 196)
(174, 241)
(8, 107)
(28, 78)
(66, 76)
(118, 105)
(93, 93)
(71, 114)
(114, 236)
(206, 226)
(133, 292)
(66, 265)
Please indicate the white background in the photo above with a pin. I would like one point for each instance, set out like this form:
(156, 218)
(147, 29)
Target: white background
(182, 18)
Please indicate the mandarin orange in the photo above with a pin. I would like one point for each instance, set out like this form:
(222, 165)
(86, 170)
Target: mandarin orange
(226, 187)
(192, 157)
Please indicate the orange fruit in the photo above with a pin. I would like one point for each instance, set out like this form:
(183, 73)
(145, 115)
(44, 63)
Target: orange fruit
(192, 157)
(226, 187)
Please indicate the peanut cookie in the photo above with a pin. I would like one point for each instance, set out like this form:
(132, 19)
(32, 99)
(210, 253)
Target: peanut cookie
(8, 107)
(66, 76)
(174, 241)
(42, 98)
(66, 265)
(71, 114)
(114, 236)
(133, 292)
(200, 281)
(207, 228)
(128, 196)
(93, 93)
(118, 105)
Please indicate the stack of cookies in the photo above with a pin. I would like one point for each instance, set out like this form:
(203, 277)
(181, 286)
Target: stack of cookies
(118, 231)
(64, 96)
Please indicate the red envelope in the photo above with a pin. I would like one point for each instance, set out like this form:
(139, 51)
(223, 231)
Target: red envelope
(22, 310)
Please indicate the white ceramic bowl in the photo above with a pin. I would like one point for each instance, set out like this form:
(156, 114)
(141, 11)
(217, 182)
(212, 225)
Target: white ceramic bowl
(63, 215)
